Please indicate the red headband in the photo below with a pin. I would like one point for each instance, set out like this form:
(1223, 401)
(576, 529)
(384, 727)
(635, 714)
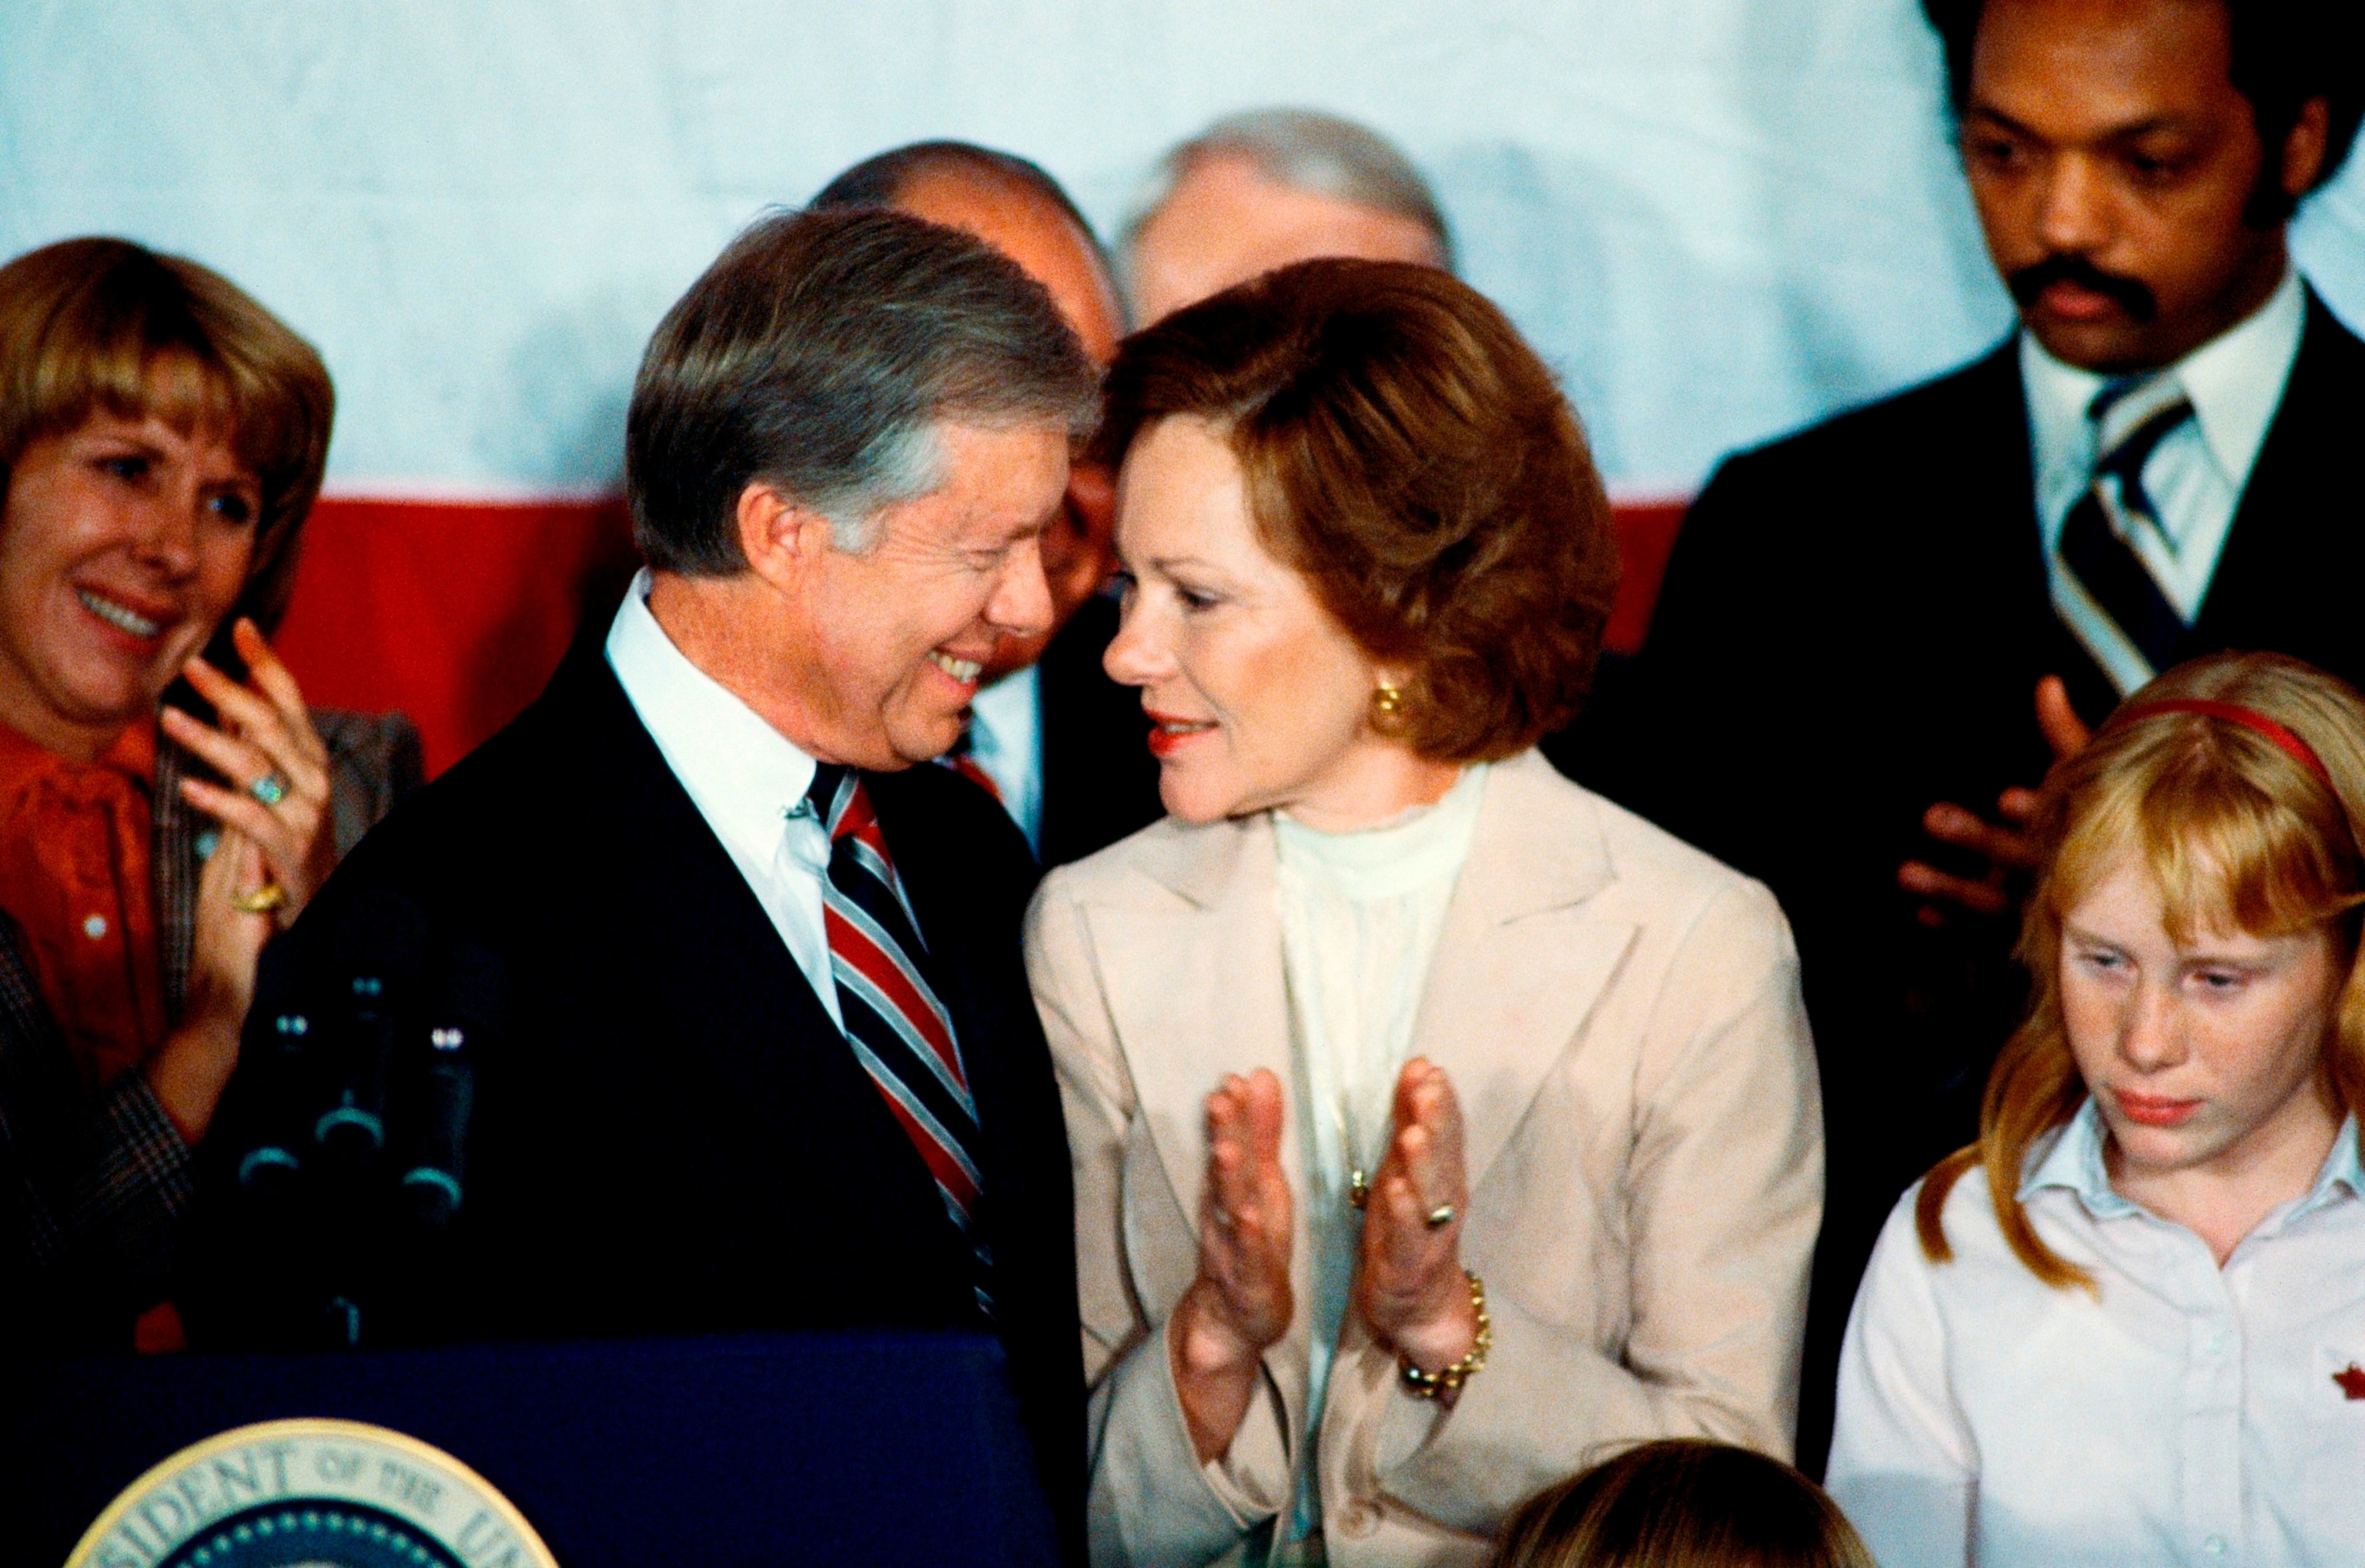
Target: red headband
(2290, 744)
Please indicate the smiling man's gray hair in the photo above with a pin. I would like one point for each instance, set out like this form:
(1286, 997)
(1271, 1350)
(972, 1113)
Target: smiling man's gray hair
(819, 354)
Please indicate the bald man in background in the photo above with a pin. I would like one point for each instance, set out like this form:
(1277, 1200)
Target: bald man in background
(1061, 745)
(1260, 190)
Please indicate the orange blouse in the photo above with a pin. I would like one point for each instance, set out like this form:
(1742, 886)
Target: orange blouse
(76, 874)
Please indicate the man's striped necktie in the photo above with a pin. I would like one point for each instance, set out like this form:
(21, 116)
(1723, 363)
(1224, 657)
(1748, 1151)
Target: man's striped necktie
(900, 1030)
(2097, 553)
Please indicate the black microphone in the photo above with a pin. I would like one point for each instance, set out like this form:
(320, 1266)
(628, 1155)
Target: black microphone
(275, 1072)
(377, 952)
(470, 1009)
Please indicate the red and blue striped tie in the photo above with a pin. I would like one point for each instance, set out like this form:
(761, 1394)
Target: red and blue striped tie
(900, 1030)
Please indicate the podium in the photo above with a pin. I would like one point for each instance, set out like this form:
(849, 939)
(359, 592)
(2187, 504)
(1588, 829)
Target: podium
(789, 1450)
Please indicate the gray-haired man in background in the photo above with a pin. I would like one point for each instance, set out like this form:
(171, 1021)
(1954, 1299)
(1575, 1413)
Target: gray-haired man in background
(1260, 190)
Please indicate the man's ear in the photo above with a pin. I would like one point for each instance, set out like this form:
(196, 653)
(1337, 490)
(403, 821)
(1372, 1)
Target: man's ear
(782, 538)
(2305, 147)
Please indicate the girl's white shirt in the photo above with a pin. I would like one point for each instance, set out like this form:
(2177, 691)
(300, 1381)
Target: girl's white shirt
(2184, 1414)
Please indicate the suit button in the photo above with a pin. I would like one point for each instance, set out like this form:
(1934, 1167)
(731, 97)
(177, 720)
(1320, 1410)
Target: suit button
(1359, 1521)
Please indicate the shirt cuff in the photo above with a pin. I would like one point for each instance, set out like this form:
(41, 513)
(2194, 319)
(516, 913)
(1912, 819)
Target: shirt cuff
(1252, 1477)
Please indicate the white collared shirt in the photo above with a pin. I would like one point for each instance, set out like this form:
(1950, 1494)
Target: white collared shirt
(1006, 739)
(2195, 477)
(746, 778)
(2190, 1414)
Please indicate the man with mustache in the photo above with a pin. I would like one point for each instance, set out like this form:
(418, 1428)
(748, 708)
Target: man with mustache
(1920, 602)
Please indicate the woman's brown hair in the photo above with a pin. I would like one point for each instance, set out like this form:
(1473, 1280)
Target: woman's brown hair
(1683, 1503)
(1407, 451)
(2240, 833)
(99, 323)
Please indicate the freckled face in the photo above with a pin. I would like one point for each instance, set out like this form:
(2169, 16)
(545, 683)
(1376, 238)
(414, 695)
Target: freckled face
(123, 544)
(1257, 697)
(2197, 1056)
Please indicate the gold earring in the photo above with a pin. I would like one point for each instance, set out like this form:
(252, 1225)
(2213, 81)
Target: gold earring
(1387, 706)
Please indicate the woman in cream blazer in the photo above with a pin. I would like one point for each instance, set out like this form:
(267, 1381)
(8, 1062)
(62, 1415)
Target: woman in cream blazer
(1579, 1207)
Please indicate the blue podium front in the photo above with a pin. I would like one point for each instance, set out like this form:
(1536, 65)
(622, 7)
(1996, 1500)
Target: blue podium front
(807, 1449)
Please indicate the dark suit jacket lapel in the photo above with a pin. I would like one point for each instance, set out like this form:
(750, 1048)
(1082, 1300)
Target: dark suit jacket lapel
(2288, 577)
(1985, 625)
(1100, 782)
(732, 993)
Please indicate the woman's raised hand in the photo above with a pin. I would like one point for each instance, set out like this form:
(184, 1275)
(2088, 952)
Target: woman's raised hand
(1241, 1302)
(193, 1066)
(276, 848)
(1410, 1287)
(267, 747)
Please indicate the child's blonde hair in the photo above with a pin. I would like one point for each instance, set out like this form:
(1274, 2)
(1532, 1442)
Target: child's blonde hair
(2240, 782)
(1683, 1503)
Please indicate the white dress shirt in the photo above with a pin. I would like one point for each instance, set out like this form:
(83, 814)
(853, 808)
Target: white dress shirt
(2187, 1414)
(1006, 739)
(2195, 477)
(747, 779)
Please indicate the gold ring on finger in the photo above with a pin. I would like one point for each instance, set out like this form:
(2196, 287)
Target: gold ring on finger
(261, 899)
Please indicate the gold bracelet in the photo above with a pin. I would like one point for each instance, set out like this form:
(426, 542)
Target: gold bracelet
(1449, 1380)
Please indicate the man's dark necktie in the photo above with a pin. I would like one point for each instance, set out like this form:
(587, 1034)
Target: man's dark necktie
(900, 1030)
(2096, 548)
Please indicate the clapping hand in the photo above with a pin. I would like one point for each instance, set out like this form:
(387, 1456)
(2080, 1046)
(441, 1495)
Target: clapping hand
(275, 849)
(1410, 1288)
(279, 770)
(1241, 1302)
(2008, 847)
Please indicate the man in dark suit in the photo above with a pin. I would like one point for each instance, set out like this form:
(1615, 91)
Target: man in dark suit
(1063, 747)
(751, 1041)
(1918, 603)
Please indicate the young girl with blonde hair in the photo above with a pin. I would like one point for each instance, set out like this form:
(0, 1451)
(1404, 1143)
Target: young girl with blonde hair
(2128, 1325)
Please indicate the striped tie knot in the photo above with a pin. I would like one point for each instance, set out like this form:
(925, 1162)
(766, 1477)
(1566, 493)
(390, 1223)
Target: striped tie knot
(2104, 591)
(2132, 417)
(894, 1018)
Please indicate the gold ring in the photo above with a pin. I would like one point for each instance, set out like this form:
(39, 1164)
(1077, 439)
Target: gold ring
(1440, 1216)
(263, 900)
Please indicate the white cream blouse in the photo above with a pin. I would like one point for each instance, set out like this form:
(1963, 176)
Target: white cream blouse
(1361, 913)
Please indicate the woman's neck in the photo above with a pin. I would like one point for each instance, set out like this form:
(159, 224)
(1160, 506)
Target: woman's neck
(40, 724)
(2224, 1199)
(1376, 783)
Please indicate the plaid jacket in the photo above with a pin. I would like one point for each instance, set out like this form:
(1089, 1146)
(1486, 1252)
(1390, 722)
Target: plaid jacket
(90, 1191)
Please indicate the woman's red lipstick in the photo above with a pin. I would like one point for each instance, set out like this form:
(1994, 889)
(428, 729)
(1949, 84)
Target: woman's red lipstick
(2154, 1111)
(1167, 731)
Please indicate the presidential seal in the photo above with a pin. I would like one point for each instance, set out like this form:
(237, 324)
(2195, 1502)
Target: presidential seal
(311, 1494)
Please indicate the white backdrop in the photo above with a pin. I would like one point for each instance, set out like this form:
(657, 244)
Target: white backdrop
(1719, 219)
